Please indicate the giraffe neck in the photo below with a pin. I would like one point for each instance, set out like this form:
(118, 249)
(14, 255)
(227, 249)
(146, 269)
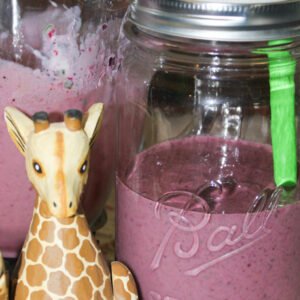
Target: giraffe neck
(61, 250)
(46, 227)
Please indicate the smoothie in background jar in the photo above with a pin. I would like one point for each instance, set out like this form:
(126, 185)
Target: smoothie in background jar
(55, 61)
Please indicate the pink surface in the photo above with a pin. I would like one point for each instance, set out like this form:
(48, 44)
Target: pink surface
(193, 255)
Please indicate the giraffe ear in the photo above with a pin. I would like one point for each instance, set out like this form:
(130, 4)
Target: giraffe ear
(3, 280)
(92, 120)
(1, 265)
(19, 126)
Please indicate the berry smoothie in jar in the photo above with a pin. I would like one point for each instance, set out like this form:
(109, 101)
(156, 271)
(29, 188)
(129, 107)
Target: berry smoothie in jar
(207, 188)
(196, 233)
(54, 56)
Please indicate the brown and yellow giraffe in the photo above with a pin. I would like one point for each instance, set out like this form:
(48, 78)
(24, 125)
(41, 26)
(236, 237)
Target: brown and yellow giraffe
(3, 281)
(60, 258)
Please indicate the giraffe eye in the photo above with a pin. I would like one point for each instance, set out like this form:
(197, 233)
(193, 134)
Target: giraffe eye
(83, 167)
(37, 167)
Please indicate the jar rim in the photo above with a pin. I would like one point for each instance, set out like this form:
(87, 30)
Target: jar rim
(248, 21)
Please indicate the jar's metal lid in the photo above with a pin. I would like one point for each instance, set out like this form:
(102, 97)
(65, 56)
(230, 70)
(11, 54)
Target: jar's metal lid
(232, 20)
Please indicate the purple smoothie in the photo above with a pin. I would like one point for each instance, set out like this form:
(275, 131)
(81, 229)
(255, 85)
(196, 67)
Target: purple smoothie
(198, 218)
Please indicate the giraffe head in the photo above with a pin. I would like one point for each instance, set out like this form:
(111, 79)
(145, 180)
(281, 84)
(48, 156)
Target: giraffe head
(57, 154)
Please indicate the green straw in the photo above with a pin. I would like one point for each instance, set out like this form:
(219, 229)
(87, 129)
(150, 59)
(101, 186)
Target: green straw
(282, 69)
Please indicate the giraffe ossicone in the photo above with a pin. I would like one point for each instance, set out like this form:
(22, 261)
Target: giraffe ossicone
(60, 258)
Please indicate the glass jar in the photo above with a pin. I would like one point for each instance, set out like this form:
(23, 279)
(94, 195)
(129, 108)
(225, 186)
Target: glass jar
(55, 55)
(208, 119)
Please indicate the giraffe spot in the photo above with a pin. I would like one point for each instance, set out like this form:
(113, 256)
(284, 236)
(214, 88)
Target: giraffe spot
(107, 291)
(52, 257)
(73, 265)
(22, 265)
(97, 296)
(119, 269)
(44, 210)
(67, 298)
(87, 251)
(34, 250)
(13, 284)
(38, 295)
(26, 241)
(3, 286)
(102, 262)
(47, 231)
(35, 224)
(83, 226)
(36, 203)
(83, 289)
(60, 182)
(95, 243)
(66, 221)
(69, 238)
(35, 275)
(22, 291)
(119, 290)
(95, 274)
(131, 285)
(58, 283)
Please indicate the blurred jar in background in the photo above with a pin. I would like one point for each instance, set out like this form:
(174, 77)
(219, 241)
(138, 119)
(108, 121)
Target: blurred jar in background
(55, 55)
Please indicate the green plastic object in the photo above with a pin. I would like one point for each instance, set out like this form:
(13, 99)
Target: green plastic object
(282, 69)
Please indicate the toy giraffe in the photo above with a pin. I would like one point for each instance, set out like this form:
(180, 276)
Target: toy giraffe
(3, 281)
(60, 258)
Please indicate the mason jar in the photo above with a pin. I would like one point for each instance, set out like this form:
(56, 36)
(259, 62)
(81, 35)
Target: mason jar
(55, 55)
(208, 130)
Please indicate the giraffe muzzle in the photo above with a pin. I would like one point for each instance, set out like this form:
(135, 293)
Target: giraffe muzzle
(63, 209)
